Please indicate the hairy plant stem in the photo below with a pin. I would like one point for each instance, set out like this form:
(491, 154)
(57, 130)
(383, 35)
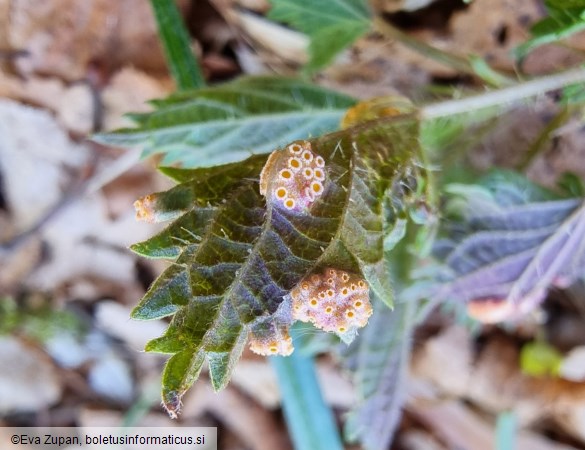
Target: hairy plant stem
(503, 96)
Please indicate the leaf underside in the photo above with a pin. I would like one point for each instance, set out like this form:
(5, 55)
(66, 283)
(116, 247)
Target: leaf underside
(237, 257)
(511, 240)
(230, 122)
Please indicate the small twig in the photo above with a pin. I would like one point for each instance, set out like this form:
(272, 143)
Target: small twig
(503, 96)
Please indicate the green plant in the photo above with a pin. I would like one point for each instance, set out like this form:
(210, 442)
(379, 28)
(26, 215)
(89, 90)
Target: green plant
(34, 318)
(252, 243)
(565, 18)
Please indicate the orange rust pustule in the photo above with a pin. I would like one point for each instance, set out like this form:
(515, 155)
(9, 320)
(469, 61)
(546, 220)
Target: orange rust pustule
(333, 301)
(276, 342)
(293, 178)
(145, 208)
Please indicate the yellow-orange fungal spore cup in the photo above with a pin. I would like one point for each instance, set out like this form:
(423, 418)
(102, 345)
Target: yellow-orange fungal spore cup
(330, 303)
(294, 177)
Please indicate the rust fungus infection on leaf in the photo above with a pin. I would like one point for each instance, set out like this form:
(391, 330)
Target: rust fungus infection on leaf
(275, 340)
(334, 301)
(293, 178)
(145, 208)
(240, 252)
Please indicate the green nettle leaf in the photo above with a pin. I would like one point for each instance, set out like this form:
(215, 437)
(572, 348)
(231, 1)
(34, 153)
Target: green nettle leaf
(331, 26)
(509, 243)
(238, 256)
(232, 121)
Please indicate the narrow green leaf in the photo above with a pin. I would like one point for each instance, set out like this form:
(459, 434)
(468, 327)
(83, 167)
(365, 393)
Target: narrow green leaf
(561, 23)
(310, 421)
(331, 25)
(230, 122)
(488, 74)
(184, 67)
(328, 42)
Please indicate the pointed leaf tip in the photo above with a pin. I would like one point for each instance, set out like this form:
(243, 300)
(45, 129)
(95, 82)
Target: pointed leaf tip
(166, 295)
(180, 372)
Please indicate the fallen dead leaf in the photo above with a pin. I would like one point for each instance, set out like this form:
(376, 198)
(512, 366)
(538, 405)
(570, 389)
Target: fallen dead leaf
(380, 67)
(76, 109)
(63, 37)
(417, 440)
(459, 427)
(73, 105)
(337, 390)
(573, 365)
(288, 45)
(255, 426)
(496, 384)
(447, 360)
(128, 90)
(111, 378)
(491, 29)
(74, 253)
(16, 264)
(566, 154)
(80, 238)
(258, 6)
(257, 379)
(34, 155)
(4, 23)
(28, 381)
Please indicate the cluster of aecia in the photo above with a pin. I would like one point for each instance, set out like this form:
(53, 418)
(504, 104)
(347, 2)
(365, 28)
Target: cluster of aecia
(275, 341)
(145, 208)
(294, 176)
(333, 301)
